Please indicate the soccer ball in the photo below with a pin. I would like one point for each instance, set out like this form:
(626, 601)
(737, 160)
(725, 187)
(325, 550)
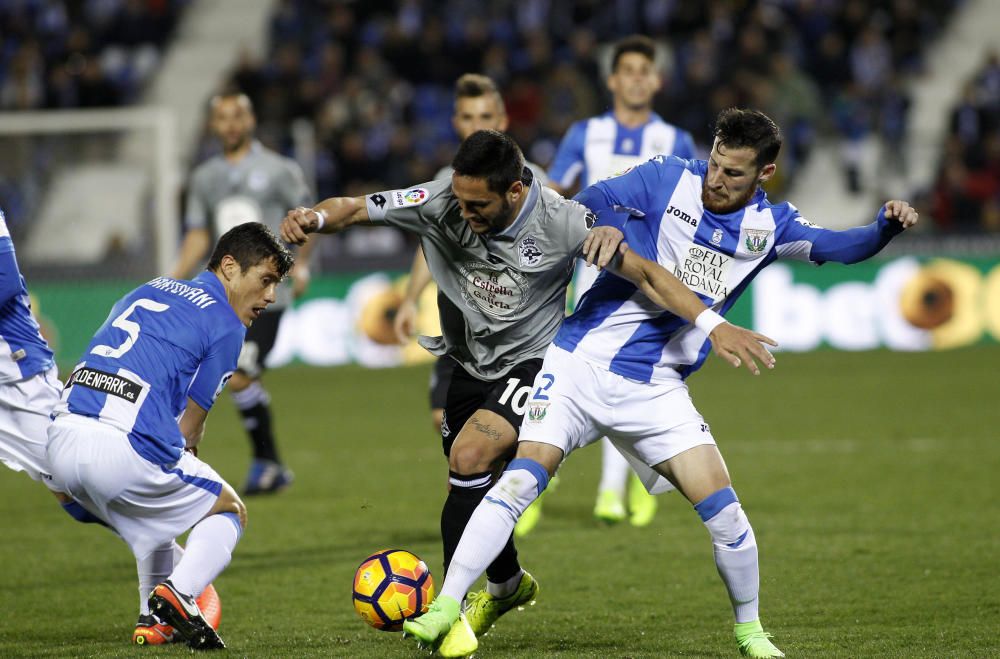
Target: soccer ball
(391, 586)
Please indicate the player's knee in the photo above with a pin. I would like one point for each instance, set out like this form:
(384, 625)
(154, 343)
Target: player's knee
(725, 520)
(522, 482)
(470, 457)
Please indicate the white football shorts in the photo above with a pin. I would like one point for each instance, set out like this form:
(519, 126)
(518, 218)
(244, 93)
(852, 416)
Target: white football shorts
(148, 504)
(25, 406)
(574, 403)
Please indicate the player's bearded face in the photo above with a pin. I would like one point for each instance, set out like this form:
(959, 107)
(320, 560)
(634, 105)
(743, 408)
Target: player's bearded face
(233, 123)
(732, 178)
(484, 210)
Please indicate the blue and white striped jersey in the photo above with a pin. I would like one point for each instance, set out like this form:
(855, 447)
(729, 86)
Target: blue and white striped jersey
(716, 256)
(23, 351)
(163, 343)
(600, 147)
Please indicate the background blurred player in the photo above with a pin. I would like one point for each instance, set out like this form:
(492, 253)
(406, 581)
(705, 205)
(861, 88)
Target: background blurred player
(712, 224)
(138, 399)
(500, 247)
(594, 149)
(478, 106)
(246, 183)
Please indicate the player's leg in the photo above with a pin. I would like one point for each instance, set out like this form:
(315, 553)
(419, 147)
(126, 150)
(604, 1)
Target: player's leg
(610, 504)
(700, 475)
(554, 418)
(267, 473)
(486, 534)
(487, 439)
(439, 384)
(209, 549)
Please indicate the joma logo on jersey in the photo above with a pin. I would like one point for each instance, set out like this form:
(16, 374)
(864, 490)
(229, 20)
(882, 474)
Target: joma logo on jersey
(678, 213)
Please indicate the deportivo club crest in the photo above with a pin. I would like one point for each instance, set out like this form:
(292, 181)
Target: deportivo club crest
(529, 253)
(756, 240)
(717, 237)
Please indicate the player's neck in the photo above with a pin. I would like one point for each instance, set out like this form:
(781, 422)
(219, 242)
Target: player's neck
(240, 152)
(632, 117)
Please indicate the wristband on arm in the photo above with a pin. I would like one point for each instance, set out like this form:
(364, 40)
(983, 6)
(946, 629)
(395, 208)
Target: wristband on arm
(708, 320)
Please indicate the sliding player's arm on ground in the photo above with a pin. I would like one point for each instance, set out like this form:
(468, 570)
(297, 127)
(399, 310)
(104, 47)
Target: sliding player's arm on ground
(328, 216)
(405, 321)
(733, 343)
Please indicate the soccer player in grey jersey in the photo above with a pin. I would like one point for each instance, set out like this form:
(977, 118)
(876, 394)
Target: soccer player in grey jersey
(246, 183)
(478, 106)
(501, 248)
(502, 251)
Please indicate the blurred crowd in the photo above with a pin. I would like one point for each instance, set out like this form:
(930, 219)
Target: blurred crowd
(375, 77)
(80, 53)
(966, 195)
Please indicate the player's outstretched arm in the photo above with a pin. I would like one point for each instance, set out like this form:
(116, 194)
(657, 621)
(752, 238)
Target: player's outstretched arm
(860, 243)
(328, 216)
(735, 344)
(405, 322)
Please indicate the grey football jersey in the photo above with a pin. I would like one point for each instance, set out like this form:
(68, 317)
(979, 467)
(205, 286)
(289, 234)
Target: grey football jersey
(540, 174)
(507, 290)
(259, 188)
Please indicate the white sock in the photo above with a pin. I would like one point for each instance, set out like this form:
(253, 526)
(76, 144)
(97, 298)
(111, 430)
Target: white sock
(614, 469)
(504, 589)
(154, 568)
(735, 549)
(491, 524)
(209, 549)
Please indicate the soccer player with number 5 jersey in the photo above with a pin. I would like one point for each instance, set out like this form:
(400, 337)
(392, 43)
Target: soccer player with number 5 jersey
(130, 418)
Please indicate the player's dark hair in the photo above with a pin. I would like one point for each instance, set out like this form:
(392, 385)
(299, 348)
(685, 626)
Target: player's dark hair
(739, 128)
(474, 85)
(636, 43)
(490, 155)
(231, 94)
(252, 243)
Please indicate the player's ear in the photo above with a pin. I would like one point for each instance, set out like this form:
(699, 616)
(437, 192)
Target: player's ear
(766, 172)
(515, 190)
(229, 267)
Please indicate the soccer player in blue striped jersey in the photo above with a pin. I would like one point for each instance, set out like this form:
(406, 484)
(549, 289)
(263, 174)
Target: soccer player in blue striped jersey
(29, 382)
(618, 364)
(133, 411)
(592, 150)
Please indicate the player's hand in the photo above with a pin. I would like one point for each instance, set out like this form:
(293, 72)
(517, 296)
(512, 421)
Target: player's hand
(404, 323)
(301, 277)
(601, 245)
(902, 212)
(298, 223)
(742, 346)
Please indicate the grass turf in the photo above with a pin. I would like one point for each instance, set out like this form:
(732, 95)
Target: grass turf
(869, 479)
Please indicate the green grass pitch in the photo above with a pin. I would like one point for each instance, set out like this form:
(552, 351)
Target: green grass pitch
(870, 479)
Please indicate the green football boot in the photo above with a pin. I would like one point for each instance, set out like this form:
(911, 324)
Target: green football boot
(754, 642)
(482, 609)
(431, 628)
